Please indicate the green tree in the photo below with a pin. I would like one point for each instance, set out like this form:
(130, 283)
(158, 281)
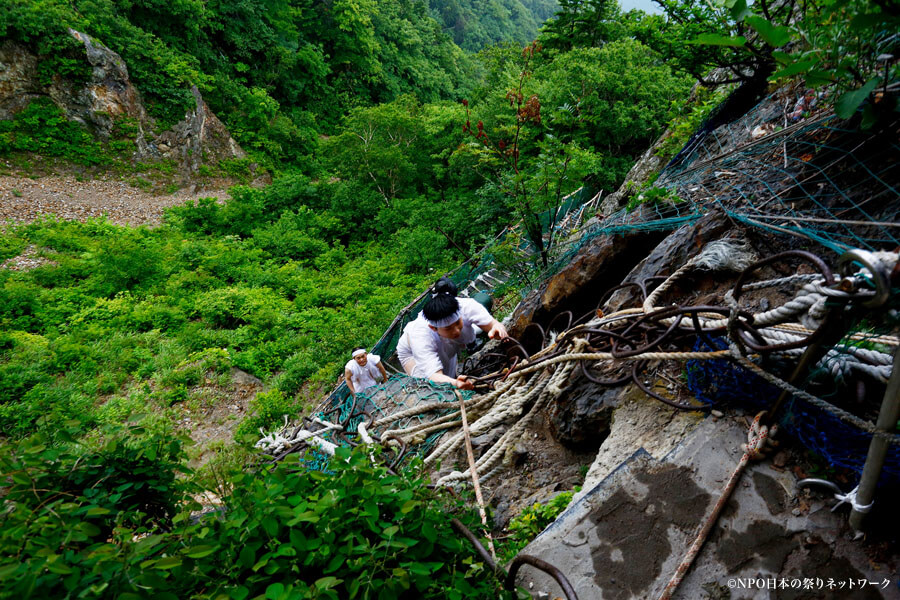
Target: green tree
(582, 24)
(381, 146)
(615, 100)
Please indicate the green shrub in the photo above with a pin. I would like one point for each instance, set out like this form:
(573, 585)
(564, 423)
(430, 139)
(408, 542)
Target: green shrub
(19, 305)
(104, 520)
(421, 248)
(531, 521)
(266, 357)
(234, 306)
(297, 369)
(125, 261)
(204, 216)
(156, 313)
(267, 411)
(355, 532)
(652, 195)
(296, 235)
(691, 116)
(10, 246)
(43, 128)
(71, 513)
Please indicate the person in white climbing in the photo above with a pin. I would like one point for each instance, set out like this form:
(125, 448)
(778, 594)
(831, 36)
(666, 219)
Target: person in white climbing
(446, 325)
(363, 370)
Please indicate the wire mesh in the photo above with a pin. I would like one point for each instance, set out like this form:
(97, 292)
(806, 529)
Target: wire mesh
(819, 178)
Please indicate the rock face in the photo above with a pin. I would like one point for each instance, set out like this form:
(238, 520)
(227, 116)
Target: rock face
(626, 534)
(109, 96)
(600, 264)
(581, 419)
(18, 79)
(200, 137)
(648, 164)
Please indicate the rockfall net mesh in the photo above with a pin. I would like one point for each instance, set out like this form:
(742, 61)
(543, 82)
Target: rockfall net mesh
(796, 173)
(722, 382)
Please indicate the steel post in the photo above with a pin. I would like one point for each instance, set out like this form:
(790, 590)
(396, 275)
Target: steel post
(887, 422)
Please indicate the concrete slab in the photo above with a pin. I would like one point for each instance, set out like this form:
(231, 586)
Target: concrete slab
(625, 537)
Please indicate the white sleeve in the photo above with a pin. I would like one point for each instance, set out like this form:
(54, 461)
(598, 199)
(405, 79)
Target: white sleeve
(428, 361)
(374, 358)
(473, 312)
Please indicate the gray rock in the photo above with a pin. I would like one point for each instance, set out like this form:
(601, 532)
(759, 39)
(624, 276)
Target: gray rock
(486, 440)
(581, 418)
(519, 454)
(240, 377)
(109, 96)
(501, 515)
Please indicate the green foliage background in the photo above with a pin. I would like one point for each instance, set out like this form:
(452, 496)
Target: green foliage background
(353, 107)
(381, 180)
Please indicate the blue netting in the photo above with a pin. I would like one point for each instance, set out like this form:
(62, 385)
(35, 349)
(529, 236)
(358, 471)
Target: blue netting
(839, 443)
(721, 381)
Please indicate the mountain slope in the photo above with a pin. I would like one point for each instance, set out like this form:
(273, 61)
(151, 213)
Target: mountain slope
(475, 25)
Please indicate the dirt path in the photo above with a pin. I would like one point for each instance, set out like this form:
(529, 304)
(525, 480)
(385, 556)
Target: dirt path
(22, 199)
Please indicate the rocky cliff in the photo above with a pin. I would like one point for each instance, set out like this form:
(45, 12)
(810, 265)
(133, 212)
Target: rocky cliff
(108, 96)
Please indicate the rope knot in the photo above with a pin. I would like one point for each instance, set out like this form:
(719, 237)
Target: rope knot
(850, 498)
(758, 438)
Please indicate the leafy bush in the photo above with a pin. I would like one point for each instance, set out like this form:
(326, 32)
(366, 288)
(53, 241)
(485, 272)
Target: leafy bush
(42, 128)
(692, 115)
(355, 532)
(233, 306)
(297, 369)
(103, 520)
(73, 514)
(531, 521)
(125, 261)
(421, 248)
(10, 246)
(267, 411)
(652, 195)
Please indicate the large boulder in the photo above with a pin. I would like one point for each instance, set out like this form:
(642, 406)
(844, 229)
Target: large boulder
(106, 97)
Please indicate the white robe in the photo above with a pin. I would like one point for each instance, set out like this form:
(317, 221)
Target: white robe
(434, 353)
(364, 377)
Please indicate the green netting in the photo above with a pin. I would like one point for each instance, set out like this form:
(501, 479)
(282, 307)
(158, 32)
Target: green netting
(393, 396)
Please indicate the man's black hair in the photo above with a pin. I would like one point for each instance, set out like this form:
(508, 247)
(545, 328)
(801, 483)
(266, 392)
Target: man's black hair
(443, 302)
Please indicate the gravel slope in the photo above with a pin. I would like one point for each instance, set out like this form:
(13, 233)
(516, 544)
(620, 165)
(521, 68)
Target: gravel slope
(22, 200)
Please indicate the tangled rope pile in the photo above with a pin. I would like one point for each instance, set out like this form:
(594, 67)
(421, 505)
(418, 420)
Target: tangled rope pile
(616, 348)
